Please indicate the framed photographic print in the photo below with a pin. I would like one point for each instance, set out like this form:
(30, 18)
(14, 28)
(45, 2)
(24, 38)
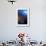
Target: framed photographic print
(22, 15)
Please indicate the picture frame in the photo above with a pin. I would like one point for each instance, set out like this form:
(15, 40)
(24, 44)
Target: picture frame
(22, 17)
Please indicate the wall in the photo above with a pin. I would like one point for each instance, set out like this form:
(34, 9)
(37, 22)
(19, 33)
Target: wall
(8, 29)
